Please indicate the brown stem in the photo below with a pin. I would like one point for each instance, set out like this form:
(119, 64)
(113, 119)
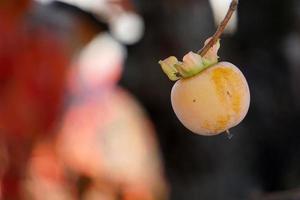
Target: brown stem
(221, 28)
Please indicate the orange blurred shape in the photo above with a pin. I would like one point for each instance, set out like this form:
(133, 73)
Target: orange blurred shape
(145, 191)
(94, 192)
(110, 138)
(46, 176)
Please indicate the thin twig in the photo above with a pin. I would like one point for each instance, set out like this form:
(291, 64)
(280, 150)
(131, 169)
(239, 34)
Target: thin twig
(221, 28)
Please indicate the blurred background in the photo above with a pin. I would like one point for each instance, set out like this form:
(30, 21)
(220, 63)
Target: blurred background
(85, 109)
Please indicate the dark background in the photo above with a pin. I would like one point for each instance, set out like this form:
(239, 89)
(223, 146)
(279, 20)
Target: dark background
(264, 154)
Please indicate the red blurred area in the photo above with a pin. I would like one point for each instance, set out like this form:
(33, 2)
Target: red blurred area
(32, 78)
(11, 11)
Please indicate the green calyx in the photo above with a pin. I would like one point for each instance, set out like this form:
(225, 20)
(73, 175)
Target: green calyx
(191, 65)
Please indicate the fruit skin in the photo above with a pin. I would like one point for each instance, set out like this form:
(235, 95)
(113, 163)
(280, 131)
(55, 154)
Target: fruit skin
(213, 101)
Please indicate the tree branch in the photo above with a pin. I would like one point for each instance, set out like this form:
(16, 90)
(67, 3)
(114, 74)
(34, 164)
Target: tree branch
(221, 28)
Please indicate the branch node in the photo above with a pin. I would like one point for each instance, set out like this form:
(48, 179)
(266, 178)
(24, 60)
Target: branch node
(233, 6)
